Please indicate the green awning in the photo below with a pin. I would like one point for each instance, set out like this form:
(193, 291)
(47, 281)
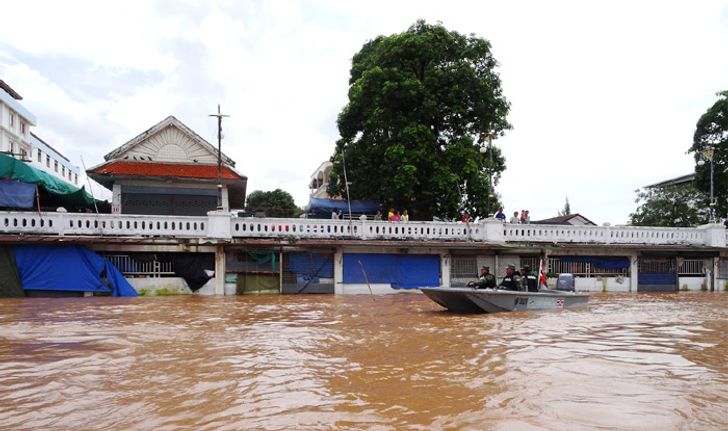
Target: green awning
(70, 195)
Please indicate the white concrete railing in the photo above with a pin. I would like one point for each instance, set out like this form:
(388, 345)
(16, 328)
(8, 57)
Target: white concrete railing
(604, 234)
(223, 226)
(316, 228)
(101, 224)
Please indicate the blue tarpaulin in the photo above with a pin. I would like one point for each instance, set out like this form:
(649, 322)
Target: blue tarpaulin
(606, 262)
(402, 271)
(68, 268)
(14, 194)
(324, 207)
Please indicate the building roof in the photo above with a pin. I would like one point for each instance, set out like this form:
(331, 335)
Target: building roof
(684, 179)
(564, 220)
(156, 169)
(8, 89)
(170, 120)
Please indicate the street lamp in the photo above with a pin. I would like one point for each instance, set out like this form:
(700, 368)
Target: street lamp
(489, 150)
(219, 116)
(708, 154)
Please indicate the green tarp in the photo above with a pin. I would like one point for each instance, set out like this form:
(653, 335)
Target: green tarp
(66, 193)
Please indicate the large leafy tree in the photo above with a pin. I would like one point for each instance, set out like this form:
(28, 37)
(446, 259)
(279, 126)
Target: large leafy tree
(422, 104)
(276, 203)
(673, 205)
(711, 133)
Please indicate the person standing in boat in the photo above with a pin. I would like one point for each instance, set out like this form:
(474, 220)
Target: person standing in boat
(530, 279)
(511, 281)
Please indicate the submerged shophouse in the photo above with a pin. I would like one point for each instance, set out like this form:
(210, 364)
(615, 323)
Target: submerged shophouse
(165, 234)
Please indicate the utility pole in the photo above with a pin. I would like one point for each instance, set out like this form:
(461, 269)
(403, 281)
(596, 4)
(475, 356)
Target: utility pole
(219, 116)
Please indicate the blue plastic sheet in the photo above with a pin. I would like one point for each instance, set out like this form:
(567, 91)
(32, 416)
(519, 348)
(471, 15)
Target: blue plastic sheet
(14, 194)
(402, 271)
(68, 268)
(324, 207)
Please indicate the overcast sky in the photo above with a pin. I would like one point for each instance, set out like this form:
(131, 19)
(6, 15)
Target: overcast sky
(605, 95)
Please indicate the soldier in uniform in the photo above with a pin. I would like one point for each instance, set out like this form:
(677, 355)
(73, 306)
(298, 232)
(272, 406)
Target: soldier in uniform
(530, 279)
(511, 281)
(486, 280)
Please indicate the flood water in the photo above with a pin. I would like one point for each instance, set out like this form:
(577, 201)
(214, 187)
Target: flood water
(397, 363)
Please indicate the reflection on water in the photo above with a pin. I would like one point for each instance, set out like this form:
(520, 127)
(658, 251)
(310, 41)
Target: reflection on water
(324, 362)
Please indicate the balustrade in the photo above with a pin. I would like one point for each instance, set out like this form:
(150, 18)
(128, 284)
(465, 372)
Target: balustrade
(220, 226)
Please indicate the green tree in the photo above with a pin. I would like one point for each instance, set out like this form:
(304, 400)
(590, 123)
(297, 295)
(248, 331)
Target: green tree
(422, 104)
(711, 132)
(678, 205)
(272, 204)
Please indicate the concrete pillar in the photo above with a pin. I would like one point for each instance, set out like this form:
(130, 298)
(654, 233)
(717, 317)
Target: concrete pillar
(220, 270)
(225, 200)
(116, 199)
(219, 225)
(714, 235)
(339, 271)
(492, 231)
(634, 272)
(714, 282)
(445, 262)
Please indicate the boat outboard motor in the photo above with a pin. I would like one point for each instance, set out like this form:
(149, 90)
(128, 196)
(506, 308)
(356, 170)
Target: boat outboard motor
(566, 282)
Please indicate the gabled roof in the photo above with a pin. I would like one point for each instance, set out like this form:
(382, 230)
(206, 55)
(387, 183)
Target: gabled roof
(169, 121)
(564, 220)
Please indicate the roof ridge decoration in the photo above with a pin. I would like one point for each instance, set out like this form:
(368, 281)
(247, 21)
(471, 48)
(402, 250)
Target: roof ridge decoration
(160, 142)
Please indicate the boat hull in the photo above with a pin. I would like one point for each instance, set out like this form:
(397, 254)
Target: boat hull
(469, 300)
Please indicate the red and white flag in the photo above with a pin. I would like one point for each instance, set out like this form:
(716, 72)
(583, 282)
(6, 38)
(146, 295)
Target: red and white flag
(541, 274)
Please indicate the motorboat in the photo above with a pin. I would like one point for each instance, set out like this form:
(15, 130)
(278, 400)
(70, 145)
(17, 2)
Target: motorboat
(473, 300)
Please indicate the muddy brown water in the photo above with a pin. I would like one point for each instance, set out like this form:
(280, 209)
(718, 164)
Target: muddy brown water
(630, 362)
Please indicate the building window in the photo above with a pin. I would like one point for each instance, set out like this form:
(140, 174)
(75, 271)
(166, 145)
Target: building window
(75, 178)
(464, 267)
(48, 161)
(63, 171)
(22, 127)
(12, 120)
(55, 165)
(23, 155)
(40, 157)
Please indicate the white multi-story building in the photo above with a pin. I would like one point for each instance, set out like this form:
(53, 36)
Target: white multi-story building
(320, 180)
(46, 158)
(15, 122)
(16, 139)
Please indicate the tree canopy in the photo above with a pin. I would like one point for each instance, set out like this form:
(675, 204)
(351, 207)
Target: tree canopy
(276, 203)
(711, 132)
(422, 104)
(674, 206)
